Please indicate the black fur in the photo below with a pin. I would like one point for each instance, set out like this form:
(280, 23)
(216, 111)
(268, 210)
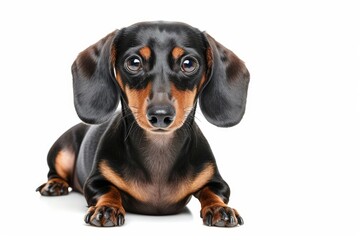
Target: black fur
(128, 162)
(224, 98)
(96, 96)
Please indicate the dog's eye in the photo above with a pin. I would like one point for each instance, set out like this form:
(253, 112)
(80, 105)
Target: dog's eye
(189, 65)
(133, 64)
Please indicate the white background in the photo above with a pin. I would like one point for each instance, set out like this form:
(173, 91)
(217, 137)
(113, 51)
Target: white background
(292, 163)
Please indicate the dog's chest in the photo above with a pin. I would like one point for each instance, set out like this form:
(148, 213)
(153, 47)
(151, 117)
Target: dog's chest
(159, 157)
(163, 190)
(158, 160)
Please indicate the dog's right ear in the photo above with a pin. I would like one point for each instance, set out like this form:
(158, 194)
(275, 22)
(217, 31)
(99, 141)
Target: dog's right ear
(96, 94)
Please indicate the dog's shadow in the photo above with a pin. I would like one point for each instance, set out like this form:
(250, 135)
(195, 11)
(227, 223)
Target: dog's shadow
(76, 203)
(73, 202)
(184, 216)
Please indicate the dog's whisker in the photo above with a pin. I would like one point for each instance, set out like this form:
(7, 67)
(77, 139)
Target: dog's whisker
(131, 126)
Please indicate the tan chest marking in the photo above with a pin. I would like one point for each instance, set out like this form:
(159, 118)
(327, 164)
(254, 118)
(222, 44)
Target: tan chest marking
(164, 192)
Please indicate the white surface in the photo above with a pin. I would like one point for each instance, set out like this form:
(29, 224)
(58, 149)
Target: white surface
(292, 163)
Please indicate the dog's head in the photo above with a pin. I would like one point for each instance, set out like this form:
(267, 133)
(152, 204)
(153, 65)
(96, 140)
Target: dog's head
(160, 69)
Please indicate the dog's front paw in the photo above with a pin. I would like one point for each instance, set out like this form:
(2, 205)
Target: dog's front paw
(54, 187)
(104, 216)
(221, 216)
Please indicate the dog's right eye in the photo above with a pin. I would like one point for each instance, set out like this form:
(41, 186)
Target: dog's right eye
(133, 64)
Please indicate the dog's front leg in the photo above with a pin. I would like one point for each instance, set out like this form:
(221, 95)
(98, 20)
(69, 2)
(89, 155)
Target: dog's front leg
(105, 204)
(215, 211)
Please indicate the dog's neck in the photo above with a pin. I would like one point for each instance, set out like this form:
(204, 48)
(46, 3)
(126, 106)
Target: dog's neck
(160, 140)
(158, 151)
(159, 154)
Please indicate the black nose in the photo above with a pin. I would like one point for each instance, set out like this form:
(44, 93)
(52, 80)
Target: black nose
(161, 116)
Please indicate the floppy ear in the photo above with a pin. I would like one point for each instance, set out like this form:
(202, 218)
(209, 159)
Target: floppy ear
(96, 95)
(223, 99)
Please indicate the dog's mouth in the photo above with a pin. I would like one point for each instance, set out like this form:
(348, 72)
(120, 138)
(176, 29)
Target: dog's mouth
(160, 130)
(160, 120)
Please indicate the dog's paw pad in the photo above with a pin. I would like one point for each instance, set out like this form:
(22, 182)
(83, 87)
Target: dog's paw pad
(221, 216)
(54, 187)
(104, 216)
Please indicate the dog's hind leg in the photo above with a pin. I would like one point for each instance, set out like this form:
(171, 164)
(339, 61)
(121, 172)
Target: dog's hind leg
(61, 161)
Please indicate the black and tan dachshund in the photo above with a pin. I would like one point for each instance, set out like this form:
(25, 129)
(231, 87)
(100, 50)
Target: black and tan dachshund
(150, 157)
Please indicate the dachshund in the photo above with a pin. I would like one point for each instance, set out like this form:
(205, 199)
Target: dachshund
(149, 156)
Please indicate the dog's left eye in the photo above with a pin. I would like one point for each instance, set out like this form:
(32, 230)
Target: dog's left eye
(189, 65)
(133, 64)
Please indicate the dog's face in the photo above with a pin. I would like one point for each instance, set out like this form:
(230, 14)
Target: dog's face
(160, 69)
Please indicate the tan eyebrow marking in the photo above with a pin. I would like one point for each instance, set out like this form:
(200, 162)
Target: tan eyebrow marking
(145, 52)
(177, 52)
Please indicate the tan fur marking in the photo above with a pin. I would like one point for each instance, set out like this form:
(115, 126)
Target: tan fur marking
(61, 185)
(184, 102)
(110, 199)
(57, 180)
(177, 52)
(192, 185)
(113, 55)
(209, 199)
(137, 103)
(209, 58)
(171, 193)
(117, 75)
(119, 80)
(145, 52)
(120, 183)
(64, 164)
(202, 81)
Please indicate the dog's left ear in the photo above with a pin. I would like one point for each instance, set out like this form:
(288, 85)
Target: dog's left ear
(223, 99)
